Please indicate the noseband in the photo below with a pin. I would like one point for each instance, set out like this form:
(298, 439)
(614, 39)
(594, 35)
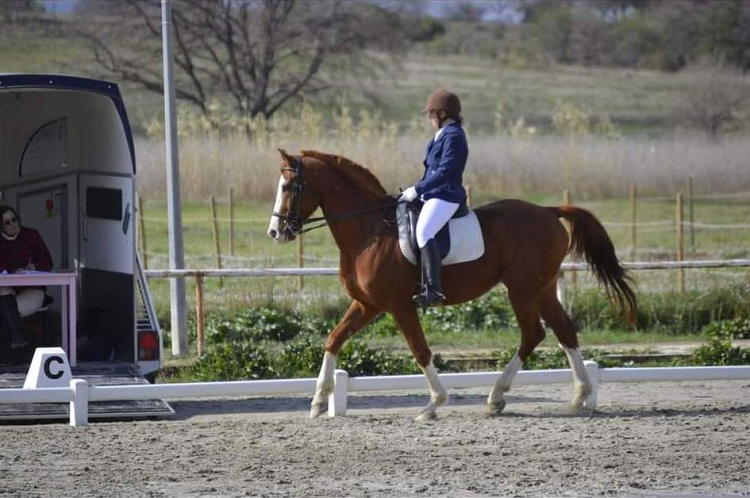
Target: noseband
(294, 226)
(292, 223)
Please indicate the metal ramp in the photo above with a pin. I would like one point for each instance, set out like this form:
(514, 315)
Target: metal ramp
(145, 315)
(95, 373)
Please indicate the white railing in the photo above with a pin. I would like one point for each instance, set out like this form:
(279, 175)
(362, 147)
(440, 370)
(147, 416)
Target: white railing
(294, 272)
(80, 393)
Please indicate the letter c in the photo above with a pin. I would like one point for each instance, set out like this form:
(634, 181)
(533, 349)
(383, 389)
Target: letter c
(47, 370)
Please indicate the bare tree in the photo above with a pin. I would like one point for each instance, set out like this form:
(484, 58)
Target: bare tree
(256, 55)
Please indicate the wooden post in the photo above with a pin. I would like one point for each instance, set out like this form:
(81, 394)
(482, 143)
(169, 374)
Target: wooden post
(468, 195)
(231, 221)
(199, 312)
(680, 271)
(561, 290)
(301, 259)
(142, 233)
(217, 244)
(573, 273)
(690, 213)
(633, 246)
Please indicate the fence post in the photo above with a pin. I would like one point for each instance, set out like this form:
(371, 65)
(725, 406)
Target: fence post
(690, 212)
(633, 247)
(592, 369)
(337, 399)
(199, 316)
(468, 195)
(678, 223)
(142, 232)
(231, 221)
(79, 407)
(217, 244)
(301, 259)
(573, 273)
(561, 289)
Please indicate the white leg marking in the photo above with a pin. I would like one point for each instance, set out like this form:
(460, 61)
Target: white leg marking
(496, 401)
(438, 394)
(273, 225)
(581, 382)
(324, 386)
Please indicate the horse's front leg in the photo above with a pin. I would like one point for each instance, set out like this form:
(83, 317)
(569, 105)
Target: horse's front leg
(408, 322)
(357, 316)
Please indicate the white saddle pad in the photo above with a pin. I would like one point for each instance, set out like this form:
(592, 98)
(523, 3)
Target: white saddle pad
(467, 243)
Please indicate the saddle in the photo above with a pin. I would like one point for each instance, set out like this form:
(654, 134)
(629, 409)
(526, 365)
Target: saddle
(459, 241)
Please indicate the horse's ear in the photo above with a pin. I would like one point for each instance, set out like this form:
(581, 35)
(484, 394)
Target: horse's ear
(286, 157)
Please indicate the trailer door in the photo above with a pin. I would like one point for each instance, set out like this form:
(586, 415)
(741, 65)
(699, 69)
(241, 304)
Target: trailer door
(106, 225)
(106, 260)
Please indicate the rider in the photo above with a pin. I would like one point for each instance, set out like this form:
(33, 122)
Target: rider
(440, 188)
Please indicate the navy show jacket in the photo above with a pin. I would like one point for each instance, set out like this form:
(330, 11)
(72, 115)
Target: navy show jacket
(444, 164)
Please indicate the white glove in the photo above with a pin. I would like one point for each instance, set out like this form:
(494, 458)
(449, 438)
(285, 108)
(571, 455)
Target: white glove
(409, 194)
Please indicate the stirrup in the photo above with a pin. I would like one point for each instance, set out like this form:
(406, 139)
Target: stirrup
(429, 297)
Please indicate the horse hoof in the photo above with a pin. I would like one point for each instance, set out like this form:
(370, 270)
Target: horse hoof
(316, 410)
(495, 408)
(580, 408)
(426, 416)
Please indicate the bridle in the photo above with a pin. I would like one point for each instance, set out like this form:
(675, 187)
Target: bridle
(293, 226)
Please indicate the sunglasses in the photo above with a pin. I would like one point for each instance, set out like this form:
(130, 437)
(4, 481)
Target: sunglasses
(10, 221)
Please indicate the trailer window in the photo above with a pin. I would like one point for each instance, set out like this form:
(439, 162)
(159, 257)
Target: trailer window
(45, 150)
(104, 203)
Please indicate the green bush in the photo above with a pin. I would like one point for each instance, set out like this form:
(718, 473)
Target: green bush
(360, 360)
(384, 326)
(266, 323)
(233, 361)
(490, 311)
(301, 357)
(719, 352)
(672, 312)
(555, 358)
(718, 349)
(739, 328)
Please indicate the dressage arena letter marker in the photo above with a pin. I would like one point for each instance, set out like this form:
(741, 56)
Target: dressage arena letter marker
(49, 368)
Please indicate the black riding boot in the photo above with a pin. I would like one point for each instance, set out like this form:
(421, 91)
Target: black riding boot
(432, 285)
(11, 321)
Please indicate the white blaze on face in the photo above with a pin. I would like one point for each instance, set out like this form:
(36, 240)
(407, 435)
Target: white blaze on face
(273, 226)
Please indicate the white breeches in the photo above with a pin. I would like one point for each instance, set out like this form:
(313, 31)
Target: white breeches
(29, 300)
(435, 214)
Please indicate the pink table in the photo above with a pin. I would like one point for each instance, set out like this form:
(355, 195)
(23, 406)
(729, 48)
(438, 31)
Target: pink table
(68, 305)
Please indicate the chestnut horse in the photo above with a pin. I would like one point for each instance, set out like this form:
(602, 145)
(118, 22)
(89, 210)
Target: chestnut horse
(524, 247)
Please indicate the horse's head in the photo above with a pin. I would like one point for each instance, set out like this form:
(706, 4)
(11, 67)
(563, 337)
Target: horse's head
(295, 201)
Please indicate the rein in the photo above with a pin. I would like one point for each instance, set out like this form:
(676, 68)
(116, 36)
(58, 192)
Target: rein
(296, 227)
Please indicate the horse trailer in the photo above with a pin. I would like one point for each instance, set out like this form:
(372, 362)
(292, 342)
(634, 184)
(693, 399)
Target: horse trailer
(67, 166)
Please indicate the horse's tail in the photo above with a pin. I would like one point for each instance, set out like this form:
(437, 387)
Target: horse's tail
(590, 241)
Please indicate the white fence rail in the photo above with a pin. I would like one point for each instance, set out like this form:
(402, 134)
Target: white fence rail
(80, 393)
(293, 272)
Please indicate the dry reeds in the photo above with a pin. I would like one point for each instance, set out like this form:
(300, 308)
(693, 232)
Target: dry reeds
(586, 156)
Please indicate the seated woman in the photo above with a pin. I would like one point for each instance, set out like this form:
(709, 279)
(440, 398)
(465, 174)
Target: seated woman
(21, 249)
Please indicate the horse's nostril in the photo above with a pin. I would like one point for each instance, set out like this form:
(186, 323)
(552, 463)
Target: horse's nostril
(272, 233)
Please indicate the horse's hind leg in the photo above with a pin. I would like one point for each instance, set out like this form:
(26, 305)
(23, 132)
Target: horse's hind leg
(408, 322)
(357, 316)
(556, 317)
(532, 333)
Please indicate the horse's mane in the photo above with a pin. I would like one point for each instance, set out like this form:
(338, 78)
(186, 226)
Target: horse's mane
(350, 171)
